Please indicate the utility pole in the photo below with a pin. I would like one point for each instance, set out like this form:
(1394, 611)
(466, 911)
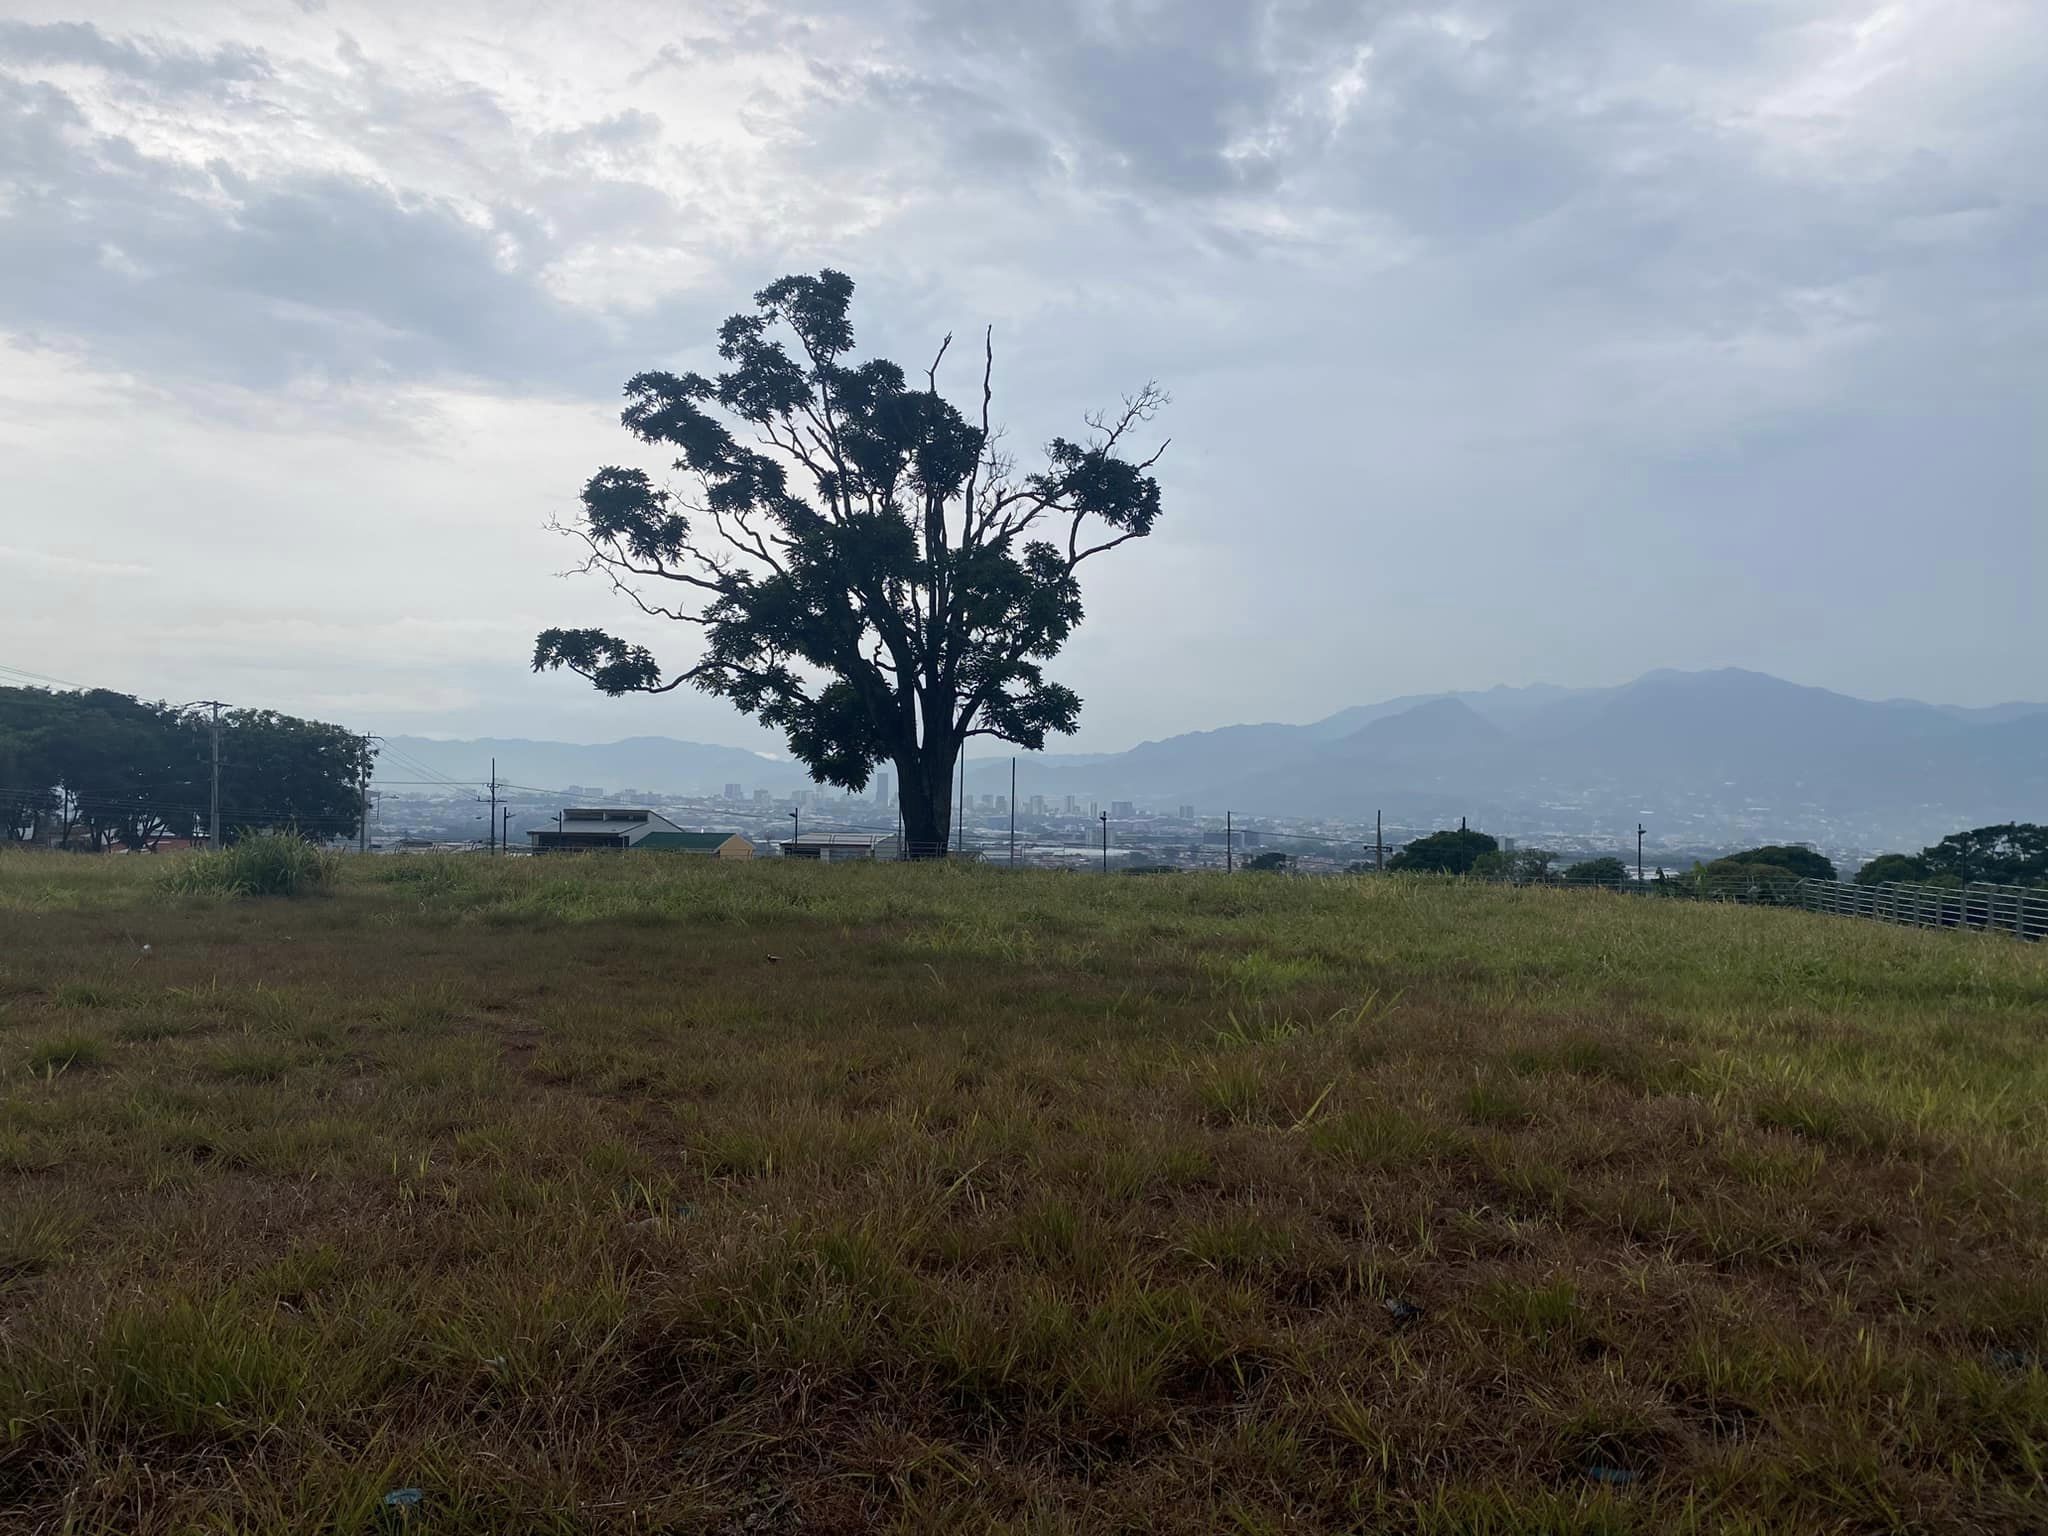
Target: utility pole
(505, 830)
(1379, 846)
(1639, 853)
(960, 817)
(796, 828)
(213, 820)
(493, 840)
(1013, 812)
(363, 825)
(1229, 863)
(1105, 842)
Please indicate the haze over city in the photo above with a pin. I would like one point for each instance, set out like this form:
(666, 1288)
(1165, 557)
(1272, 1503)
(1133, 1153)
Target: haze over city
(1506, 343)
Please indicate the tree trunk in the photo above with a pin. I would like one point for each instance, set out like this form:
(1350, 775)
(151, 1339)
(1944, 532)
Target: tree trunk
(927, 802)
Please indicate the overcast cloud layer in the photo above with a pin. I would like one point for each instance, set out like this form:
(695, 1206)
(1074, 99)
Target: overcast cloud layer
(1530, 339)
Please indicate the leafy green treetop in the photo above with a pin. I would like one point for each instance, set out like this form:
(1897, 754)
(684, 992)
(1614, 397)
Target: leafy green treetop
(1892, 868)
(864, 565)
(1804, 863)
(1605, 870)
(1444, 853)
(2011, 853)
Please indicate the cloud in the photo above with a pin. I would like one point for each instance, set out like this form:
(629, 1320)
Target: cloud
(622, 133)
(1561, 292)
(54, 564)
(163, 267)
(166, 65)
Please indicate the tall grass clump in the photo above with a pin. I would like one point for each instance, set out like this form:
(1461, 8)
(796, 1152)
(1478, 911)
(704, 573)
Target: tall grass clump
(260, 864)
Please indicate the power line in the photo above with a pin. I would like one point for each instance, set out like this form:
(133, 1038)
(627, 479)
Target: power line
(39, 677)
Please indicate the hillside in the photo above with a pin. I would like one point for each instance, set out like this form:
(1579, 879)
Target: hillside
(1708, 744)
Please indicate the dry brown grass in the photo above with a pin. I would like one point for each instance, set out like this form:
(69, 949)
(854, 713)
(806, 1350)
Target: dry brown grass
(645, 1196)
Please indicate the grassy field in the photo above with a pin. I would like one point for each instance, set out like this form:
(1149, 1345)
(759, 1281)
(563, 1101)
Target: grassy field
(649, 1195)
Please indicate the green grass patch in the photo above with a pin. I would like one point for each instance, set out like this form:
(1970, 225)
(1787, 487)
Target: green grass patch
(259, 864)
(647, 1194)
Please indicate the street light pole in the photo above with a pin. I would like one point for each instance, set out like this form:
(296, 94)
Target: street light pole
(796, 828)
(1105, 842)
(1639, 853)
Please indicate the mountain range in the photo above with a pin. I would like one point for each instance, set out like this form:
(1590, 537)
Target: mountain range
(1724, 752)
(1720, 750)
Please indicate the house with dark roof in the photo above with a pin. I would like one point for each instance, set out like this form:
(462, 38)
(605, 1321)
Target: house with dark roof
(586, 829)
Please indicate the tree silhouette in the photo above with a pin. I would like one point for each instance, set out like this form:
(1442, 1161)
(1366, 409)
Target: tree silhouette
(868, 571)
(1444, 853)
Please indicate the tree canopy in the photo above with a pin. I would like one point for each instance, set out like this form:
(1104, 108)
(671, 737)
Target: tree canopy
(1891, 868)
(1523, 866)
(2011, 853)
(1804, 863)
(1444, 853)
(104, 769)
(1605, 870)
(864, 565)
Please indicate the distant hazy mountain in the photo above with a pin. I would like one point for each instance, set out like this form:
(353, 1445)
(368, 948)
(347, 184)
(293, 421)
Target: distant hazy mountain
(1733, 745)
(1714, 751)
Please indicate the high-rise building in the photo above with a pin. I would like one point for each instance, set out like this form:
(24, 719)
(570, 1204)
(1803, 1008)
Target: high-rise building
(762, 797)
(734, 792)
(1122, 810)
(1002, 802)
(1187, 813)
(882, 787)
(1073, 805)
(1037, 804)
(988, 802)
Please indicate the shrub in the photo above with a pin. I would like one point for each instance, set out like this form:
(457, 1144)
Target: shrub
(1444, 853)
(1606, 870)
(1802, 862)
(260, 864)
(1887, 868)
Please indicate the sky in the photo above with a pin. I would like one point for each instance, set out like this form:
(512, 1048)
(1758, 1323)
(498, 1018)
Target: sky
(1508, 341)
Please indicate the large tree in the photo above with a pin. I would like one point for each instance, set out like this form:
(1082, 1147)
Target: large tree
(867, 569)
(283, 773)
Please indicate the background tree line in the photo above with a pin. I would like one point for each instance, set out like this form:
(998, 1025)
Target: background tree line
(94, 769)
(2012, 853)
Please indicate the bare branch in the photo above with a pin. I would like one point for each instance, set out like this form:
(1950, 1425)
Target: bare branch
(1074, 558)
